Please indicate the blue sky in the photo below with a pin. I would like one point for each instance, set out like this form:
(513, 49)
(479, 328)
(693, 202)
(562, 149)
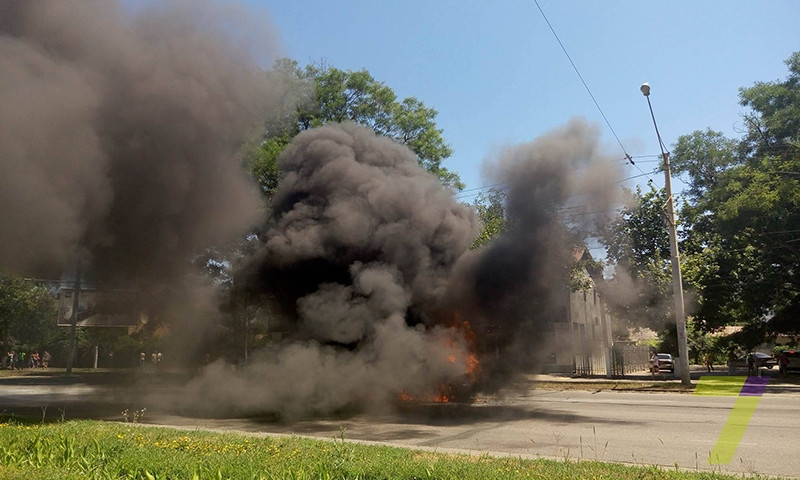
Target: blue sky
(498, 76)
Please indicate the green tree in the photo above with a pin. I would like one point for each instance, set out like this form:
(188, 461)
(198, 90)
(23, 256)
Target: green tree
(27, 313)
(335, 95)
(637, 245)
(703, 156)
(490, 207)
(773, 120)
(756, 221)
(743, 213)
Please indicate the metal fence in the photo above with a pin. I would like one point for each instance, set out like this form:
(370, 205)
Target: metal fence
(629, 358)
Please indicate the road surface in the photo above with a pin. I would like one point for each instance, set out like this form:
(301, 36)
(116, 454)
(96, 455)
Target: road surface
(663, 428)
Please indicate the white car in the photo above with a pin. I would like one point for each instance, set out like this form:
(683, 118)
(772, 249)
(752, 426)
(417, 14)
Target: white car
(665, 362)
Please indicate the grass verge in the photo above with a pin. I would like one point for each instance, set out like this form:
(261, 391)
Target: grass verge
(101, 450)
(619, 386)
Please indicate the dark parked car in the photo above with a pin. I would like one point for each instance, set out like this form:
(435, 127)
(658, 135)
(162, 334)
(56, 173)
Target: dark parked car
(789, 360)
(761, 360)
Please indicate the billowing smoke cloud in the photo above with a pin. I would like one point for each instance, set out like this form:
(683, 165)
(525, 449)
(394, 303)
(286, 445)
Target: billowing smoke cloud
(119, 133)
(355, 205)
(510, 290)
(368, 257)
(358, 254)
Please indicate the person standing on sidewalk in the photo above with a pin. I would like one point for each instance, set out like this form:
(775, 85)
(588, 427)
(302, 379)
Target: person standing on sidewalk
(654, 369)
(731, 360)
(708, 361)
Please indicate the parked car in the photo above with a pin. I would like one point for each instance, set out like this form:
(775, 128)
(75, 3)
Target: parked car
(761, 360)
(765, 360)
(792, 360)
(665, 362)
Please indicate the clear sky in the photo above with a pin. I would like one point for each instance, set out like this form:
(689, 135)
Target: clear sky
(497, 75)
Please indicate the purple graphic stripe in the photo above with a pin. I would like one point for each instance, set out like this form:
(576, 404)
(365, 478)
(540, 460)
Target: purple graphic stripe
(754, 387)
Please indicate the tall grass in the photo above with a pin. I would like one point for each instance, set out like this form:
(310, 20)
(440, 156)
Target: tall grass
(100, 450)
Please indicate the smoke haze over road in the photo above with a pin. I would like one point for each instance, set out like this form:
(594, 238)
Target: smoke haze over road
(119, 141)
(368, 257)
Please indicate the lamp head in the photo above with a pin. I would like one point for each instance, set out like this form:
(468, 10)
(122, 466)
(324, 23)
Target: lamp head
(645, 88)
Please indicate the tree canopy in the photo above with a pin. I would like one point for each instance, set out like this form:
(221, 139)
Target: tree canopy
(740, 219)
(490, 207)
(334, 95)
(27, 313)
(638, 244)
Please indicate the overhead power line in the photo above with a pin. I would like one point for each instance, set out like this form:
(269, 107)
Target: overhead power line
(475, 191)
(589, 91)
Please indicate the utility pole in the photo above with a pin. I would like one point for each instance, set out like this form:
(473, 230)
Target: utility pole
(73, 327)
(677, 284)
(608, 341)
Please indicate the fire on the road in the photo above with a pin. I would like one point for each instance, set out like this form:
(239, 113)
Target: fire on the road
(443, 391)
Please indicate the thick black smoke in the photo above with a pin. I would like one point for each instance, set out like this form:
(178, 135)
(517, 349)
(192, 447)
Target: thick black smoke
(357, 253)
(119, 134)
(558, 188)
(367, 255)
(355, 209)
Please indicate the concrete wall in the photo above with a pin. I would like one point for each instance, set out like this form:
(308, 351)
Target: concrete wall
(581, 339)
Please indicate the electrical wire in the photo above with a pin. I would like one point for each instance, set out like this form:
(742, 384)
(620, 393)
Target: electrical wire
(589, 91)
(643, 174)
(475, 191)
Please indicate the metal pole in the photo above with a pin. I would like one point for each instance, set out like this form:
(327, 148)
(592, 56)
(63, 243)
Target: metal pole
(608, 342)
(73, 327)
(677, 284)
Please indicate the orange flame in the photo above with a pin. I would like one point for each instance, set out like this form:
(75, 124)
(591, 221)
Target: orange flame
(471, 362)
(445, 395)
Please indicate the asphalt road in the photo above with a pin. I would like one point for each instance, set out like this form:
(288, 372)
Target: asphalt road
(659, 428)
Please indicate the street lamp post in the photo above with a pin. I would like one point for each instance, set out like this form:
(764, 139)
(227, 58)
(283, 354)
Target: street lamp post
(677, 284)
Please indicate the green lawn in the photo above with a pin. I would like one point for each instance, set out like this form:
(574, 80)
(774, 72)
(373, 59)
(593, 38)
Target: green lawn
(57, 371)
(104, 450)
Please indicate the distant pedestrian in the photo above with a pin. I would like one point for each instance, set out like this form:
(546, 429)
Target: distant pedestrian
(708, 361)
(46, 359)
(731, 361)
(142, 359)
(751, 363)
(783, 362)
(655, 367)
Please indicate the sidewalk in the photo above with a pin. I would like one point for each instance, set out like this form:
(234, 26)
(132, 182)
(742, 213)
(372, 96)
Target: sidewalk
(645, 377)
